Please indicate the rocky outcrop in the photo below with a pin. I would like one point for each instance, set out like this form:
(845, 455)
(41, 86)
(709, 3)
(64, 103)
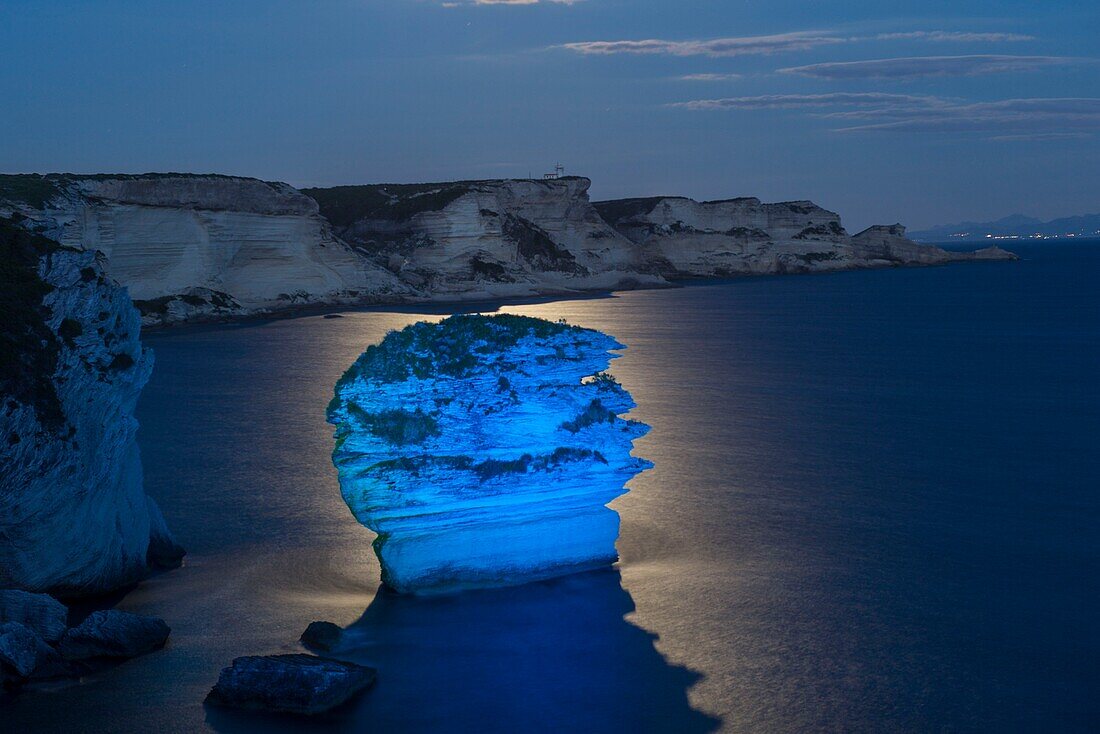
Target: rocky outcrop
(686, 238)
(321, 636)
(296, 683)
(888, 245)
(477, 239)
(484, 450)
(111, 633)
(37, 646)
(74, 517)
(200, 246)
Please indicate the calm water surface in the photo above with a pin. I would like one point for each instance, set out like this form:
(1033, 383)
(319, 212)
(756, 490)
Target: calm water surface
(875, 507)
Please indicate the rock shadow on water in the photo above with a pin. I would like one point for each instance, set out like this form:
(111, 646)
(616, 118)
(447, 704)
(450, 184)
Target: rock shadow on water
(555, 655)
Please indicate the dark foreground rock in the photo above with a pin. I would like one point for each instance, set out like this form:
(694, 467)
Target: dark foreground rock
(43, 614)
(323, 636)
(298, 683)
(111, 633)
(36, 642)
(23, 651)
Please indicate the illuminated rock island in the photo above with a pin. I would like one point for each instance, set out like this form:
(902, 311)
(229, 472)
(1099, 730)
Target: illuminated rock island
(484, 450)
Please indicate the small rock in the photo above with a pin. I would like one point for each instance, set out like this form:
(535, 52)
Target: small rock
(332, 316)
(114, 634)
(299, 684)
(22, 650)
(46, 616)
(323, 636)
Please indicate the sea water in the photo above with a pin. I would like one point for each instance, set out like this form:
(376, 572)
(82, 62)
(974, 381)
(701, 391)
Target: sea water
(875, 506)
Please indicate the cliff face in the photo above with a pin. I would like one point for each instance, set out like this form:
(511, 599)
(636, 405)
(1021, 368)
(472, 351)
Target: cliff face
(206, 246)
(74, 518)
(498, 238)
(888, 244)
(191, 246)
(483, 451)
(683, 237)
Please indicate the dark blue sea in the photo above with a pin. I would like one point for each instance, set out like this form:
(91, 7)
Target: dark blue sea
(875, 507)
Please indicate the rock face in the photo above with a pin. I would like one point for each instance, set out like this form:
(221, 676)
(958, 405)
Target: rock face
(322, 636)
(483, 451)
(686, 238)
(192, 246)
(36, 642)
(889, 245)
(44, 615)
(111, 633)
(471, 239)
(297, 684)
(74, 517)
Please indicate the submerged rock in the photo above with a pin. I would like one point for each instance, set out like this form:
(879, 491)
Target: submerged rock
(323, 636)
(43, 614)
(112, 633)
(299, 684)
(483, 451)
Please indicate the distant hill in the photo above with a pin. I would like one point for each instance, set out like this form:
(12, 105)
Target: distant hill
(1016, 225)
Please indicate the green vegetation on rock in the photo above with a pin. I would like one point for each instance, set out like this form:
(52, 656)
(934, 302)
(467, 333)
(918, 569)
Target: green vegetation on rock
(28, 347)
(451, 347)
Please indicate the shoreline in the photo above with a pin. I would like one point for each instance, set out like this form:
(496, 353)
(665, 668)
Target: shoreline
(463, 305)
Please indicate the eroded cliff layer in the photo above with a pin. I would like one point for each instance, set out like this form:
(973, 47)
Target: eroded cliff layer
(484, 450)
(498, 238)
(685, 238)
(74, 518)
(194, 246)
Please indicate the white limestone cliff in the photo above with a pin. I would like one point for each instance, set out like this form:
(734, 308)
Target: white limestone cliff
(686, 238)
(74, 517)
(484, 450)
(486, 239)
(191, 246)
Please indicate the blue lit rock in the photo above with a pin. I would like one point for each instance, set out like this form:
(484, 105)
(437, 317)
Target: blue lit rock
(484, 450)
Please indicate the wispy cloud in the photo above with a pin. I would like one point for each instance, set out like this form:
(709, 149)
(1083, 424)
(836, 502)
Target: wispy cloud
(955, 36)
(925, 66)
(1057, 118)
(794, 101)
(458, 3)
(1034, 116)
(708, 77)
(716, 47)
(1039, 136)
(779, 43)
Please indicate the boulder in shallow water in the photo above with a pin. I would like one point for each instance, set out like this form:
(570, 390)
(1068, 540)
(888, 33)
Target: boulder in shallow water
(43, 614)
(323, 636)
(22, 650)
(111, 633)
(298, 684)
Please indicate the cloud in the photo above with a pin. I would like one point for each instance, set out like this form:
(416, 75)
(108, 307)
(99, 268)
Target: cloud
(793, 101)
(507, 2)
(708, 77)
(756, 45)
(957, 36)
(1047, 117)
(716, 47)
(925, 66)
(1040, 136)
(1056, 118)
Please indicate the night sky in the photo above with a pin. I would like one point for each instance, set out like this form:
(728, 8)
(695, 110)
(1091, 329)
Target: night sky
(919, 112)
